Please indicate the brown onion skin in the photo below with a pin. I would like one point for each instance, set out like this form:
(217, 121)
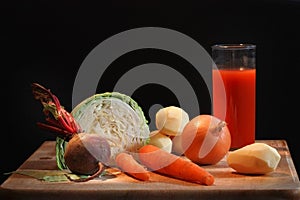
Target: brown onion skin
(194, 134)
(84, 152)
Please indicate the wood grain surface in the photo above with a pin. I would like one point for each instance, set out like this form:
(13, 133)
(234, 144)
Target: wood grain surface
(283, 183)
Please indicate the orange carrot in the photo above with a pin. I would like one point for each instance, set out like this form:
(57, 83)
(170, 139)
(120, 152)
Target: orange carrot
(129, 165)
(172, 165)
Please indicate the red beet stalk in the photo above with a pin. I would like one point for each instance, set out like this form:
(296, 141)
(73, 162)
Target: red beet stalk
(60, 121)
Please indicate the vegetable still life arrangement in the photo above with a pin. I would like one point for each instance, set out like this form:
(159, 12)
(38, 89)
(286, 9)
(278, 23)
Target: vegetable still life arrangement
(109, 131)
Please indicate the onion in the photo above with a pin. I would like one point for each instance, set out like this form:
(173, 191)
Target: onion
(205, 139)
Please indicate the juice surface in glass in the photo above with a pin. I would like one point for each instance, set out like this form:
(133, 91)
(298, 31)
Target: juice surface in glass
(239, 85)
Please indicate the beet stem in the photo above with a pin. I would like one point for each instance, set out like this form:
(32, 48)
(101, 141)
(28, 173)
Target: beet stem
(62, 133)
(52, 105)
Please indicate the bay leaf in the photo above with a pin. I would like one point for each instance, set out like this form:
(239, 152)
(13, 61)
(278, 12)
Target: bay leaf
(48, 175)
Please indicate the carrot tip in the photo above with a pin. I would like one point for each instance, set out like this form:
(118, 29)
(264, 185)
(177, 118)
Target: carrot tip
(209, 180)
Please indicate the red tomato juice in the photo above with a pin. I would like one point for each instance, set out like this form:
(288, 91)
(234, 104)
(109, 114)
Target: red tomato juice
(238, 111)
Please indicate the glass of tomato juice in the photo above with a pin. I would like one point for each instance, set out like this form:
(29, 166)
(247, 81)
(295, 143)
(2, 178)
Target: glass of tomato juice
(234, 89)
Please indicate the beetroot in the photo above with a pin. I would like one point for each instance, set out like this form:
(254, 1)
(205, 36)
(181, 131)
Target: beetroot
(85, 153)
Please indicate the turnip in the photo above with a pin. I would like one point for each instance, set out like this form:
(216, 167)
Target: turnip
(85, 153)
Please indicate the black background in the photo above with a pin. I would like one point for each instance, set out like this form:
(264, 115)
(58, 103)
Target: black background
(46, 42)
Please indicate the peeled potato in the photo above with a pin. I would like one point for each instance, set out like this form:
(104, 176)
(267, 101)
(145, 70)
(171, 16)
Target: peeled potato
(176, 145)
(161, 141)
(171, 120)
(256, 158)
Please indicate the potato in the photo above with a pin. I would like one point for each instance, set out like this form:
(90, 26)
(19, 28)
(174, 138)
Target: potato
(171, 120)
(256, 158)
(176, 145)
(161, 141)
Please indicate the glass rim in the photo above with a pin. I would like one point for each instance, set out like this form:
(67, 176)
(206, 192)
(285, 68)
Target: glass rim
(240, 46)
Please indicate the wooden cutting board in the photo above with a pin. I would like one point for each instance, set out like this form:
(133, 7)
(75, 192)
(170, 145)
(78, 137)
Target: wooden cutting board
(283, 183)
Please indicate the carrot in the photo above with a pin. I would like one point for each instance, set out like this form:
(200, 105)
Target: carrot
(166, 163)
(129, 165)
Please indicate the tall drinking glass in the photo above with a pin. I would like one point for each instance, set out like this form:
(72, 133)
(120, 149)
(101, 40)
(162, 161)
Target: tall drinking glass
(234, 90)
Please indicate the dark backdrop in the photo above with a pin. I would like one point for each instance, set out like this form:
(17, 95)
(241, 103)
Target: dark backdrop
(46, 42)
